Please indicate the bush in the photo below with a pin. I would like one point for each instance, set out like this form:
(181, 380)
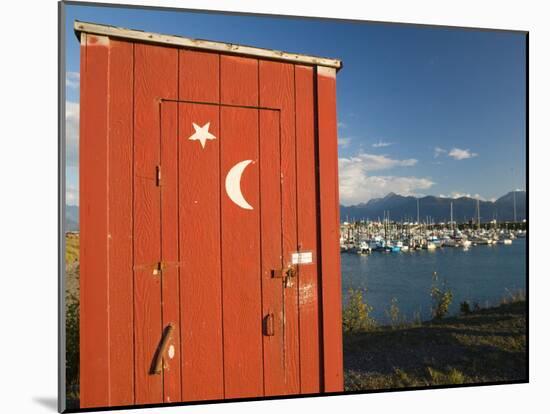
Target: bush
(513, 296)
(394, 314)
(465, 308)
(72, 325)
(441, 298)
(416, 319)
(356, 314)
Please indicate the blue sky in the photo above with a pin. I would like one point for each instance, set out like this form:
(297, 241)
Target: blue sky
(421, 110)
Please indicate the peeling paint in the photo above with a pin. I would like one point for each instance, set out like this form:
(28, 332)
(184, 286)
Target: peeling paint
(95, 40)
(171, 352)
(307, 294)
(326, 71)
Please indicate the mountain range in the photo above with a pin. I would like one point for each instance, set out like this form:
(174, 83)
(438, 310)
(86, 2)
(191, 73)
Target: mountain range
(71, 218)
(404, 208)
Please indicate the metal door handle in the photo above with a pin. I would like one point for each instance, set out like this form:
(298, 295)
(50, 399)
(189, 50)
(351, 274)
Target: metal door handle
(269, 325)
(167, 335)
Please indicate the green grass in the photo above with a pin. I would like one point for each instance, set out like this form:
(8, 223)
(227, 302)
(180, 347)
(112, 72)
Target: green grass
(488, 345)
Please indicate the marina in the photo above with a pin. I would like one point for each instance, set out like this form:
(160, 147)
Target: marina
(366, 237)
(483, 273)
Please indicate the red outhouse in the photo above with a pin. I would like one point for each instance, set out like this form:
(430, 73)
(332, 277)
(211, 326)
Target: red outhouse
(210, 263)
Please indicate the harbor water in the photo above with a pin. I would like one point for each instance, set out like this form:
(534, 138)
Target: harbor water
(480, 274)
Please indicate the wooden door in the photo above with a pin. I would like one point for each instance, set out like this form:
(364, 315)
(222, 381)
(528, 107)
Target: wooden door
(234, 307)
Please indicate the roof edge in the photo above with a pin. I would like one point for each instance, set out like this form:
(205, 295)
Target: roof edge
(230, 48)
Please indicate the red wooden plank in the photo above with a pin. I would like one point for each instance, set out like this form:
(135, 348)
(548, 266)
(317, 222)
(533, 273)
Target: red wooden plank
(201, 298)
(170, 250)
(153, 81)
(329, 221)
(242, 321)
(94, 300)
(277, 91)
(120, 148)
(199, 74)
(307, 230)
(239, 80)
(272, 288)
(241, 287)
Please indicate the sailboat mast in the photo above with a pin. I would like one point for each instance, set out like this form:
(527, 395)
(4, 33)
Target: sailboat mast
(452, 224)
(478, 217)
(515, 218)
(418, 211)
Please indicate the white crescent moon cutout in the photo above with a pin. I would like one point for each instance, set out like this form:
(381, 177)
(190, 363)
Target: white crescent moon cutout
(233, 184)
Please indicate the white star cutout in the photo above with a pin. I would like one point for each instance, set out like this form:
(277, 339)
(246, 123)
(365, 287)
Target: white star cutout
(201, 134)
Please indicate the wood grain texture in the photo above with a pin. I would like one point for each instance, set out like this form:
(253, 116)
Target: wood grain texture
(272, 288)
(170, 249)
(277, 91)
(242, 318)
(239, 80)
(120, 148)
(94, 297)
(153, 81)
(308, 289)
(200, 255)
(199, 76)
(330, 223)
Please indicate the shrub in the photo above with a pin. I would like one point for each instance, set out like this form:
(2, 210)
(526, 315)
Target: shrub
(441, 299)
(513, 296)
(465, 308)
(73, 343)
(356, 314)
(416, 319)
(394, 314)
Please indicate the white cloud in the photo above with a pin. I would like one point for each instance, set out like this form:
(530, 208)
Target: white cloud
(439, 151)
(373, 162)
(382, 144)
(344, 142)
(72, 80)
(458, 194)
(358, 185)
(71, 195)
(461, 154)
(72, 115)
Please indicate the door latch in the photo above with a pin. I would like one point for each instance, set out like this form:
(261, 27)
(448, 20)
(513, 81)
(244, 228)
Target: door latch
(287, 274)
